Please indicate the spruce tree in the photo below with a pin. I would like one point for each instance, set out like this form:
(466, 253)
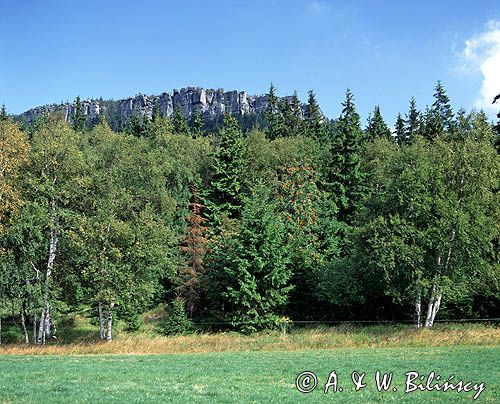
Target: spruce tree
(179, 124)
(256, 269)
(156, 116)
(137, 125)
(272, 115)
(343, 176)
(3, 113)
(228, 166)
(440, 116)
(412, 122)
(79, 118)
(400, 131)
(285, 113)
(377, 127)
(314, 126)
(193, 248)
(196, 124)
(296, 122)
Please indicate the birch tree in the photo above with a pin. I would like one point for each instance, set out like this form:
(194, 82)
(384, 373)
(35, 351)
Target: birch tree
(121, 245)
(430, 223)
(54, 176)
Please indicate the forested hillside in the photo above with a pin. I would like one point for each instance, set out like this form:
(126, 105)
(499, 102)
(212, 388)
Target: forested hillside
(299, 218)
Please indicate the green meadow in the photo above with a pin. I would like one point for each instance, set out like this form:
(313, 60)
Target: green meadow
(245, 376)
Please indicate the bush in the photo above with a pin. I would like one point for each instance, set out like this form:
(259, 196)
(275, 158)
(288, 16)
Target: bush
(177, 321)
(12, 335)
(134, 323)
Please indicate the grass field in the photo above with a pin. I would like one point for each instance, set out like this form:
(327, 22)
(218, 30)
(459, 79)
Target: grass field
(261, 377)
(260, 368)
(84, 340)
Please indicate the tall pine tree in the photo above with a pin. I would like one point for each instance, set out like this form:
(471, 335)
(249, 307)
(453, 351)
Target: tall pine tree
(296, 123)
(156, 116)
(272, 114)
(179, 124)
(440, 116)
(400, 130)
(79, 117)
(343, 176)
(193, 248)
(228, 166)
(3, 113)
(314, 125)
(413, 122)
(255, 266)
(377, 126)
(196, 124)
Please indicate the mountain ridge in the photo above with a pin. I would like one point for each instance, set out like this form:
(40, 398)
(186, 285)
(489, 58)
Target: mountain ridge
(212, 103)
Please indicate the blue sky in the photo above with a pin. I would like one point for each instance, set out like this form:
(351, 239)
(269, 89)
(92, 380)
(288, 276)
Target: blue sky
(385, 51)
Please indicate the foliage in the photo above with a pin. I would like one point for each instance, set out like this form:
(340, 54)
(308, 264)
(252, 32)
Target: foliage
(179, 123)
(228, 165)
(377, 127)
(298, 216)
(254, 265)
(343, 175)
(428, 228)
(14, 155)
(176, 321)
(79, 118)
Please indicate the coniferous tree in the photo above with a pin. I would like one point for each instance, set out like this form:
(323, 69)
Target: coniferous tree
(255, 267)
(400, 131)
(79, 117)
(3, 113)
(377, 127)
(440, 116)
(156, 116)
(179, 124)
(412, 122)
(194, 248)
(228, 166)
(285, 117)
(137, 125)
(196, 124)
(314, 125)
(272, 115)
(296, 122)
(343, 176)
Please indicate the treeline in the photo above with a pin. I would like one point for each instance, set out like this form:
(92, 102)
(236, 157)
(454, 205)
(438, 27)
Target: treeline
(302, 219)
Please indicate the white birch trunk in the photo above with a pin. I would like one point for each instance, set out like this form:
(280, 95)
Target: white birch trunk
(23, 323)
(433, 306)
(109, 335)
(437, 303)
(418, 309)
(430, 306)
(101, 323)
(45, 320)
(40, 339)
(34, 329)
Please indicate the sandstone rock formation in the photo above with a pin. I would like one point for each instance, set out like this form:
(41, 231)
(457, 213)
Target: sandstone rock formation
(211, 103)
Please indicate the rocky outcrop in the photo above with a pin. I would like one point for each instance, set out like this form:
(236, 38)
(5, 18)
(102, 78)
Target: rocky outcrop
(211, 103)
(91, 108)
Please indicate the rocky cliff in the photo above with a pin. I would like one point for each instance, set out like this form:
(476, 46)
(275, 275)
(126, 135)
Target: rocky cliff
(211, 103)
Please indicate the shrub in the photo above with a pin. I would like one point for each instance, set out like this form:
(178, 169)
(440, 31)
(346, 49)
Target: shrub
(177, 321)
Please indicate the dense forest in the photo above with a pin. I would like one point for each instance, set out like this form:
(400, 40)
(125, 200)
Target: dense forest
(255, 223)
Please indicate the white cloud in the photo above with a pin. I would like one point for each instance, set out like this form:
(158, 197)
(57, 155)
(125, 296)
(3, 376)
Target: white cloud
(482, 54)
(319, 6)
